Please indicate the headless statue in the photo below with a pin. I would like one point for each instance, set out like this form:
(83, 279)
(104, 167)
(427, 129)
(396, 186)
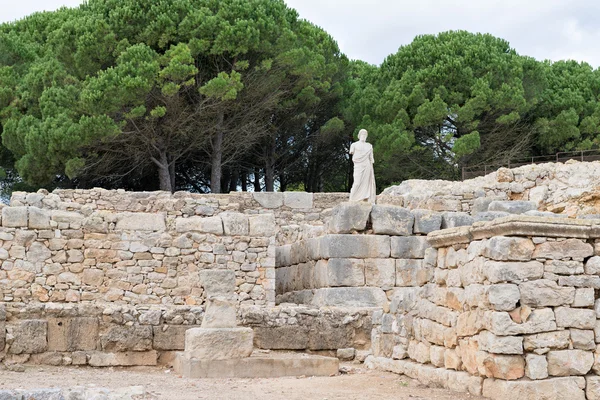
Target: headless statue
(363, 188)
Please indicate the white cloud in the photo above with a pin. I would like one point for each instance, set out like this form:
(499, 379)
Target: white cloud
(15, 10)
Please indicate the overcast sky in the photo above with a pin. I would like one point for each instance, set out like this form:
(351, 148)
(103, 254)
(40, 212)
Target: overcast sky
(372, 29)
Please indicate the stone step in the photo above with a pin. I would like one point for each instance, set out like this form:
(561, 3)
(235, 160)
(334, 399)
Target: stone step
(259, 365)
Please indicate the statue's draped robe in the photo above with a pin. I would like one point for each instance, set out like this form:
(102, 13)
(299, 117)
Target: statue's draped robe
(363, 187)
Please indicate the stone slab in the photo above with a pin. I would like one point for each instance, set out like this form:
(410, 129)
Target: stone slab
(392, 220)
(218, 343)
(350, 216)
(568, 388)
(355, 246)
(141, 222)
(268, 199)
(212, 225)
(123, 359)
(349, 297)
(298, 199)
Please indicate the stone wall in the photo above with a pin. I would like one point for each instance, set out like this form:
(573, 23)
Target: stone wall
(509, 311)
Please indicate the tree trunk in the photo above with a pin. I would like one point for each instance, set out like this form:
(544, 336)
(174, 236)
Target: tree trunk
(164, 176)
(270, 169)
(217, 158)
(257, 187)
(172, 173)
(244, 181)
(235, 177)
(225, 179)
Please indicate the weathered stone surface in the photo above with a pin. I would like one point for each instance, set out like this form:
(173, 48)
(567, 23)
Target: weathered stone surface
(544, 292)
(409, 246)
(592, 387)
(512, 207)
(592, 266)
(298, 199)
(564, 267)
(504, 367)
(540, 320)
(536, 367)
(39, 218)
(349, 217)
(570, 388)
(500, 344)
(118, 338)
(581, 281)
(212, 225)
(380, 272)
(583, 339)
(580, 318)
(349, 297)
(220, 313)
(218, 282)
(170, 337)
(404, 299)
(426, 221)
(262, 225)
(569, 362)
(503, 248)
(27, 337)
(141, 222)
(542, 342)
(584, 297)
(412, 273)
(219, 343)
(38, 253)
(391, 220)
(569, 248)
(123, 359)
(269, 199)
(471, 272)
(355, 246)
(456, 219)
(497, 272)
(73, 334)
(504, 297)
(286, 337)
(489, 215)
(345, 272)
(235, 224)
(14, 217)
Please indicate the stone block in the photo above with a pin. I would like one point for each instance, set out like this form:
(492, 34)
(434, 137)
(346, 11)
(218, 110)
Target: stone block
(355, 246)
(213, 225)
(583, 339)
(93, 277)
(218, 282)
(512, 206)
(540, 320)
(123, 359)
(287, 337)
(489, 215)
(346, 354)
(117, 338)
(502, 248)
(504, 297)
(409, 246)
(592, 266)
(39, 218)
(569, 248)
(380, 272)
(14, 217)
(262, 225)
(426, 221)
(269, 199)
(218, 343)
(345, 272)
(349, 297)
(584, 297)
(170, 337)
(220, 313)
(536, 367)
(500, 344)
(542, 342)
(503, 366)
(298, 200)
(141, 222)
(592, 387)
(235, 224)
(497, 272)
(579, 318)
(544, 292)
(37, 252)
(349, 217)
(569, 388)
(404, 299)
(482, 204)
(456, 219)
(580, 281)
(569, 362)
(392, 220)
(412, 273)
(27, 336)
(564, 267)
(73, 334)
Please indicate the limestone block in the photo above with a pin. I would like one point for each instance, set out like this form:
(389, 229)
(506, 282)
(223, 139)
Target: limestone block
(404, 299)
(564, 267)
(412, 273)
(235, 224)
(93, 277)
(39, 218)
(37, 252)
(581, 281)
(287, 337)
(536, 367)
(426, 221)
(117, 338)
(73, 334)
(269, 199)
(220, 313)
(540, 320)
(442, 315)
(569, 362)
(346, 354)
(262, 225)
(349, 297)
(592, 387)
(500, 344)
(392, 220)
(170, 337)
(584, 297)
(452, 360)
(583, 339)
(409, 246)
(580, 318)
(456, 219)
(569, 248)
(542, 342)
(399, 352)
(592, 266)
(141, 222)
(513, 271)
(470, 323)
(512, 207)
(570, 388)
(503, 366)
(27, 336)
(2, 335)
(350, 216)
(380, 272)
(504, 297)
(355, 246)
(544, 292)
(471, 272)
(14, 217)
(436, 355)
(482, 204)
(503, 248)
(123, 359)
(345, 272)
(218, 282)
(212, 225)
(489, 215)
(419, 352)
(298, 199)
(218, 343)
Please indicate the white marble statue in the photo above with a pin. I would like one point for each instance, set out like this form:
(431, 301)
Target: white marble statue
(363, 188)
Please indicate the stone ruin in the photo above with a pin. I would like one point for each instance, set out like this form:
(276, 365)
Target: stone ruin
(488, 287)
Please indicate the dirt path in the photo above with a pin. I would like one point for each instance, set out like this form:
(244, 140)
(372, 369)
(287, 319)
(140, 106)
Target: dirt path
(161, 383)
